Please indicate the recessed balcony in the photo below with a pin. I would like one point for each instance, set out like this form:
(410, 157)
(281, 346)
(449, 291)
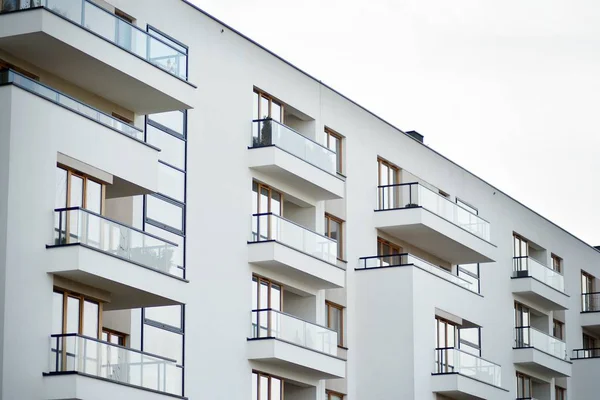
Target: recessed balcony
(538, 283)
(135, 267)
(541, 352)
(94, 49)
(405, 259)
(284, 154)
(282, 245)
(461, 375)
(68, 126)
(81, 367)
(425, 219)
(295, 345)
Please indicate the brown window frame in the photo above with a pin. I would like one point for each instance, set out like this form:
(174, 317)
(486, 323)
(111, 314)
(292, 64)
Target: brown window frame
(520, 239)
(557, 263)
(269, 377)
(330, 393)
(560, 393)
(270, 190)
(123, 15)
(73, 172)
(340, 240)
(340, 308)
(111, 332)
(339, 155)
(82, 298)
(525, 377)
(556, 324)
(271, 99)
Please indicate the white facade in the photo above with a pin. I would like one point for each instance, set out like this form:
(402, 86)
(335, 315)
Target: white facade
(247, 286)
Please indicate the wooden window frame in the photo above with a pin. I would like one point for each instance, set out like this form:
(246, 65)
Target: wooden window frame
(259, 279)
(329, 133)
(520, 239)
(388, 196)
(557, 263)
(112, 332)
(123, 15)
(589, 278)
(561, 326)
(394, 169)
(82, 298)
(340, 240)
(269, 377)
(341, 309)
(560, 393)
(271, 100)
(383, 242)
(525, 378)
(270, 190)
(330, 393)
(73, 172)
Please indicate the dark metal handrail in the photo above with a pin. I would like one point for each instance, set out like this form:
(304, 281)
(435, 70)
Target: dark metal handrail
(292, 316)
(115, 222)
(464, 352)
(292, 222)
(293, 130)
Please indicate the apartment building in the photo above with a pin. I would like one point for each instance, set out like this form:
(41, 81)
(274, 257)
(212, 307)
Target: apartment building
(186, 215)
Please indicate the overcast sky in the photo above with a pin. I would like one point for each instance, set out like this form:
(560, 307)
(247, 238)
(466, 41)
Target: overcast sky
(508, 89)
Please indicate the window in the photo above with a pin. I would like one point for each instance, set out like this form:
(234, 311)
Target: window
(266, 294)
(74, 189)
(388, 174)
(522, 321)
(333, 141)
(333, 230)
(389, 253)
(335, 320)
(331, 395)
(114, 337)
(445, 338)
(558, 329)
(265, 106)
(75, 313)
(560, 393)
(587, 283)
(470, 273)
(163, 332)
(588, 299)
(266, 387)
(589, 342)
(524, 386)
(266, 199)
(557, 263)
(521, 246)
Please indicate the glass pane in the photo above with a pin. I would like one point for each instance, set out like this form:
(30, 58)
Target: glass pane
(172, 149)
(255, 101)
(163, 343)
(276, 112)
(72, 315)
(170, 42)
(334, 230)
(67, 8)
(170, 315)
(76, 199)
(263, 206)
(171, 182)
(276, 297)
(334, 319)
(172, 237)
(162, 211)
(57, 313)
(93, 196)
(276, 202)
(264, 295)
(61, 188)
(90, 319)
(174, 120)
(276, 389)
(264, 388)
(264, 107)
(254, 386)
(254, 293)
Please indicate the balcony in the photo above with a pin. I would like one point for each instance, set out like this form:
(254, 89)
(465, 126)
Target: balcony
(291, 157)
(81, 367)
(590, 312)
(135, 267)
(538, 283)
(80, 42)
(294, 345)
(461, 375)
(423, 218)
(282, 245)
(405, 259)
(586, 364)
(68, 126)
(541, 352)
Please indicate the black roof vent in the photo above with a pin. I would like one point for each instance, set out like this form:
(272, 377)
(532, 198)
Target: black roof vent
(415, 135)
(597, 247)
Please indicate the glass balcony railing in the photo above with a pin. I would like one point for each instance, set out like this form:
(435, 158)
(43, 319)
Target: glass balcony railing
(114, 29)
(410, 195)
(450, 360)
(268, 226)
(268, 323)
(75, 353)
(77, 225)
(590, 302)
(527, 266)
(527, 336)
(267, 132)
(405, 259)
(35, 87)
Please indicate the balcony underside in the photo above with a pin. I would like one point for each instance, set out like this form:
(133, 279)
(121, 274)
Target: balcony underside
(285, 167)
(296, 264)
(76, 55)
(541, 362)
(435, 235)
(85, 387)
(295, 359)
(540, 293)
(591, 321)
(461, 387)
(130, 285)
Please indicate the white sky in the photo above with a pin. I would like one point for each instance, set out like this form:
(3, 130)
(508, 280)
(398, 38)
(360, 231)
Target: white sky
(508, 89)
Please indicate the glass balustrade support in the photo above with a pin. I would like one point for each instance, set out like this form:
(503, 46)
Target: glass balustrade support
(269, 323)
(527, 336)
(48, 93)
(268, 227)
(527, 266)
(412, 195)
(267, 132)
(450, 360)
(117, 31)
(77, 225)
(76, 353)
(405, 259)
